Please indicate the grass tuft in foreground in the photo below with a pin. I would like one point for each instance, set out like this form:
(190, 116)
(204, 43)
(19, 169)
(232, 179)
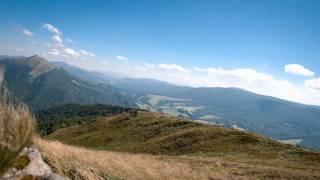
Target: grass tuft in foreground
(16, 129)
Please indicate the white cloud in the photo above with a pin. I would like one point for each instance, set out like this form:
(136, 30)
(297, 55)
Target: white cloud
(86, 53)
(149, 65)
(172, 67)
(69, 40)
(298, 69)
(27, 32)
(122, 58)
(91, 54)
(52, 29)
(59, 48)
(71, 52)
(54, 51)
(57, 39)
(313, 83)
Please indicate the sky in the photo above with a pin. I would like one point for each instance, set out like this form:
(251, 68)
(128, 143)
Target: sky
(270, 47)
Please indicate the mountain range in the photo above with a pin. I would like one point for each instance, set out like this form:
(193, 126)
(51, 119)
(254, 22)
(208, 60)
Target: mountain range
(283, 120)
(42, 84)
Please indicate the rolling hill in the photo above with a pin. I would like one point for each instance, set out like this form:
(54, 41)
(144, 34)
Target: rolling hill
(199, 145)
(230, 107)
(41, 84)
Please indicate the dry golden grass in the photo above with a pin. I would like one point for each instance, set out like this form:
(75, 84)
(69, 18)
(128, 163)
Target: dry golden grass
(81, 163)
(16, 129)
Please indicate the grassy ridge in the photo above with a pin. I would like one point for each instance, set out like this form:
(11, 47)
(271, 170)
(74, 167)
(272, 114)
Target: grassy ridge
(120, 146)
(156, 133)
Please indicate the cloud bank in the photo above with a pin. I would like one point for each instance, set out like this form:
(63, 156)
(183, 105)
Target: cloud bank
(298, 69)
(313, 83)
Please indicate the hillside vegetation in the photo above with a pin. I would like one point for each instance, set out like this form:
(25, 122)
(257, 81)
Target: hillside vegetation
(67, 115)
(163, 135)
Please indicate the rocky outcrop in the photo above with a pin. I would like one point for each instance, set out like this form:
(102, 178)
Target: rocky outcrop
(36, 168)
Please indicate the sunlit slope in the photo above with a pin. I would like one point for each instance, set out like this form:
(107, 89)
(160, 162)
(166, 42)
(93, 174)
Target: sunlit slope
(83, 163)
(156, 133)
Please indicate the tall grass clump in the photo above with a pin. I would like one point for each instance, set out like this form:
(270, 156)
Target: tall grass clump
(16, 128)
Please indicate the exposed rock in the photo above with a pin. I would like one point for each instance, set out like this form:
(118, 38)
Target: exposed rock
(35, 169)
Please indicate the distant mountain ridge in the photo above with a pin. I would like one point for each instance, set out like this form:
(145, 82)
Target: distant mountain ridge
(230, 107)
(42, 84)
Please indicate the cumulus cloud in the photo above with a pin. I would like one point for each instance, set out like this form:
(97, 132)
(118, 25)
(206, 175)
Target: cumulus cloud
(298, 69)
(313, 83)
(86, 53)
(27, 32)
(59, 49)
(57, 39)
(248, 79)
(149, 65)
(52, 29)
(172, 67)
(122, 58)
(57, 34)
(71, 52)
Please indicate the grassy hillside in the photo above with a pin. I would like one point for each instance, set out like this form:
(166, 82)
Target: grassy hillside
(213, 151)
(157, 133)
(82, 163)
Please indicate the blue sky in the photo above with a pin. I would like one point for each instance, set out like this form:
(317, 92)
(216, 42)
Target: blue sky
(230, 37)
